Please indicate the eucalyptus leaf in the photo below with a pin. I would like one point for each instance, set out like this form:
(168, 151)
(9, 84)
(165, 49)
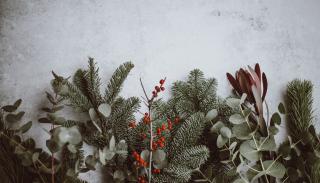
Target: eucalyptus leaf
(93, 115)
(233, 102)
(72, 148)
(211, 114)
(112, 144)
(105, 109)
(281, 108)
(275, 119)
(9, 108)
(145, 155)
(159, 156)
(221, 141)
(225, 132)
(242, 131)
(216, 127)
(237, 119)
(52, 146)
(24, 128)
(268, 144)
(248, 152)
(119, 175)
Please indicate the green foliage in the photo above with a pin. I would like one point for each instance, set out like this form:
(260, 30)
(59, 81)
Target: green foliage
(299, 108)
(303, 143)
(184, 155)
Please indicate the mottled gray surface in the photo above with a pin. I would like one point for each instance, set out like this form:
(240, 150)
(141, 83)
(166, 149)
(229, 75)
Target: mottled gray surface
(163, 38)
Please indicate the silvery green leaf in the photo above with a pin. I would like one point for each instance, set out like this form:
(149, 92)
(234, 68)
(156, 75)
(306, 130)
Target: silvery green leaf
(35, 157)
(52, 145)
(109, 154)
(93, 115)
(105, 109)
(159, 156)
(161, 165)
(119, 175)
(221, 141)
(211, 114)
(74, 136)
(243, 98)
(72, 148)
(145, 155)
(237, 119)
(268, 144)
(274, 168)
(24, 128)
(242, 131)
(281, 108)
(225, 132)
(216, 127)
(232, 146)
(112, 143)
(239, 181)
(233, 102)
(102, 157)
(248, 152)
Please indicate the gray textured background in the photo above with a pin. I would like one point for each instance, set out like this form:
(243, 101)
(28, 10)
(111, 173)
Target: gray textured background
(163, 38)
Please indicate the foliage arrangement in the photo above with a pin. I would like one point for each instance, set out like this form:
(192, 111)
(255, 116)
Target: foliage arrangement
(195, 136)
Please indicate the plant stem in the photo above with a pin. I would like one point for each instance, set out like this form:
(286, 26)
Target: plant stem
(151, 148)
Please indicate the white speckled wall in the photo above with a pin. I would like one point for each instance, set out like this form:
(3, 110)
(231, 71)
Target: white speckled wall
(163, 38)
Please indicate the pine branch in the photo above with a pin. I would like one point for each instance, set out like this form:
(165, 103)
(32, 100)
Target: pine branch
(122, 115)
(93, 82)
(299, 108)
(116, 81)
(76, 98)
(188, 134)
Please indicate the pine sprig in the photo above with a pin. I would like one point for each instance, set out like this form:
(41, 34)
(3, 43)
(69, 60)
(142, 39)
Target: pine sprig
(93, 83)
(299, 107)
(116, 81)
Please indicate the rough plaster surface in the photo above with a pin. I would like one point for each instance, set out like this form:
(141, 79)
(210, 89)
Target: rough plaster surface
(163, 38)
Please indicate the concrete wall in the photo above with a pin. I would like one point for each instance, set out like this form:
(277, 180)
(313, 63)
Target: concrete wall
(163, 38)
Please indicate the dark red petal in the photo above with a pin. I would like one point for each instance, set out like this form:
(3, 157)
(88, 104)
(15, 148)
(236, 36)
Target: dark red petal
(257, 70)
(265, 85)
(234, 83)
(245, 84)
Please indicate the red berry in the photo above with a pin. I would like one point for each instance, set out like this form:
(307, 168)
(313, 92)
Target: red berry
(162, 88)
(161, 144)
(157, 88)
(161, 81)
(163, 127)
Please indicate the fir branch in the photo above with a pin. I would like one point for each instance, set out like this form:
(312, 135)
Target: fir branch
(188, 134)
(76, 98)
(299, 108)
(93, 83)
(116, 81)
(122, 115)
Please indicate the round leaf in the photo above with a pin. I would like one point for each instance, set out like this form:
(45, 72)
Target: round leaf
(237, 119)
(24, 128)
(216, 127)
(221, 141)
(275, 119)
(248, 152)
(105, 109)
(233, 102)
(225, 132)
(211, 114)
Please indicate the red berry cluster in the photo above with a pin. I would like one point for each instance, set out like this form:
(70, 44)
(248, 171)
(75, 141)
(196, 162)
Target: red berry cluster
(140, 161)
(156, 171)
(158, 88)
(142, 179)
